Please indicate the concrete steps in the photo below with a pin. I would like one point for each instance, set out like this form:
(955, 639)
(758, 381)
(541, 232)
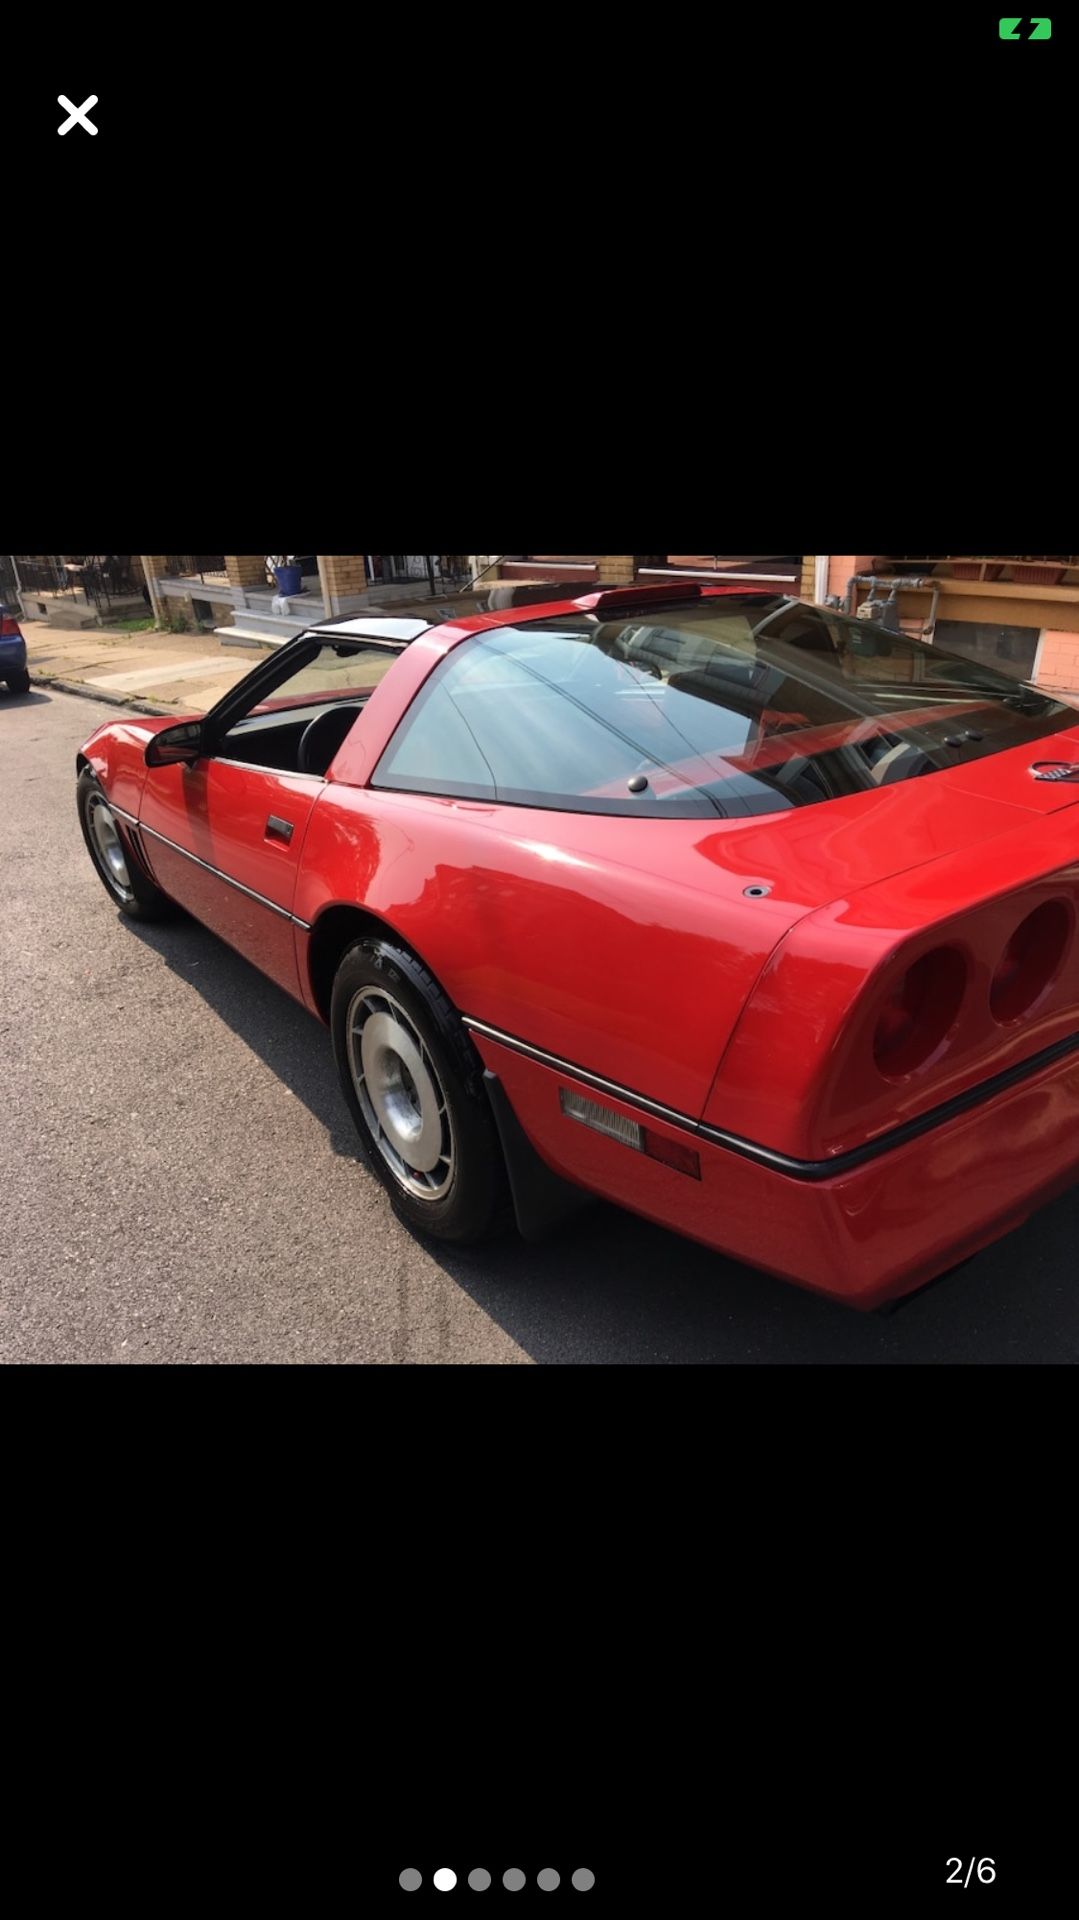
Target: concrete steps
(76, 617)
(267, 627)
(73, 619)
(257, 626)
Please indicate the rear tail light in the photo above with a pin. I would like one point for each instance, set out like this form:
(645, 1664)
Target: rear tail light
(9, 628)
(919, 1012)
(1030, 962)
(630, 1133)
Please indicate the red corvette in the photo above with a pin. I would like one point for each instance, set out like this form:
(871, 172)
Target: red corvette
(755, 919)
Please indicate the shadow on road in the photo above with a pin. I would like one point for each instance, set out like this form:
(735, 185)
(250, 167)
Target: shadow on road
(31, 699)
(614, 1289)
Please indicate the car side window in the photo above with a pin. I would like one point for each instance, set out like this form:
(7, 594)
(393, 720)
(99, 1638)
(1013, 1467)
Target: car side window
(707, 713)
(539, 719)
(334, 672)
(437, 746)
(296, 718)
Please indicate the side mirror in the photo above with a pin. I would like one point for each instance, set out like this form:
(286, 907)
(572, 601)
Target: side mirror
(176, 746)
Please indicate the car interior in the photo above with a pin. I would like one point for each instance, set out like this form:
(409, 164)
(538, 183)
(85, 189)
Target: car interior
(305, 739)
(301, 710)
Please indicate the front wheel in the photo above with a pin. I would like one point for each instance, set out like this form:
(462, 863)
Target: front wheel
(415, 1091)
(117, 866)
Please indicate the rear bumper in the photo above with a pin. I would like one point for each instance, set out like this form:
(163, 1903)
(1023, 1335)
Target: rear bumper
(869, 1236)
(12, 656)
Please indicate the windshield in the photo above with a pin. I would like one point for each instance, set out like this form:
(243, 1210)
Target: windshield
(727, 707)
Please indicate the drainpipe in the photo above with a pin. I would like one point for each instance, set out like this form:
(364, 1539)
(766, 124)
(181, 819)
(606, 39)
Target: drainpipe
(330, 607)
(820, 580)
(155, 597)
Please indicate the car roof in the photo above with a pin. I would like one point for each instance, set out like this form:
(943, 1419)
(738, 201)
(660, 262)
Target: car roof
(500, 605)
(372, 626)
(412, 617)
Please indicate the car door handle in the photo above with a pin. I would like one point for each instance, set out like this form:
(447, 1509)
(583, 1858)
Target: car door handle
(278, 829)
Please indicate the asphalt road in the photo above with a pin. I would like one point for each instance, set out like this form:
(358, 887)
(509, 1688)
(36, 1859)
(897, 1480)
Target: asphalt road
(180, 1181)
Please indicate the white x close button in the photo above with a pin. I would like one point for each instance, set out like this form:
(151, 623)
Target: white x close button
(77, 114)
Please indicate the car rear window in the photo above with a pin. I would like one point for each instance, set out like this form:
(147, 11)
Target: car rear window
(726, 709)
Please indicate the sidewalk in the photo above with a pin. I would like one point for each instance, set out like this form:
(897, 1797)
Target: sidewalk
(147, 672)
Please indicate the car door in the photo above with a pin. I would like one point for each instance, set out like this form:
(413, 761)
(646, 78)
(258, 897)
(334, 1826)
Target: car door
(224, 817)
(225, 839)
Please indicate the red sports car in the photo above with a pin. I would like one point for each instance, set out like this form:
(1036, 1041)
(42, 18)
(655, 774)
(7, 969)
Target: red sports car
(750, 917)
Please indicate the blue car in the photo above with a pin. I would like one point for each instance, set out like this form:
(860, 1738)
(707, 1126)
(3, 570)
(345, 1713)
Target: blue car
(13, 653)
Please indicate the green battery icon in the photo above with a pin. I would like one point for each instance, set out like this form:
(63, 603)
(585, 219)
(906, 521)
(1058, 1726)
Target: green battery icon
(1010, 29)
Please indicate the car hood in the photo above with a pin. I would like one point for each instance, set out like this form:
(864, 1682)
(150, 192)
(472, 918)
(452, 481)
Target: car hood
(814, 855)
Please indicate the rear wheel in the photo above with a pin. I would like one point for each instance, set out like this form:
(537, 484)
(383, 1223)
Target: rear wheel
(117, 865)
(19, 682)
(415, 1091)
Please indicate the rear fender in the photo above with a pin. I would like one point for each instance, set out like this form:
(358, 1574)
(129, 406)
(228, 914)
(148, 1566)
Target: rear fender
(799, 1074)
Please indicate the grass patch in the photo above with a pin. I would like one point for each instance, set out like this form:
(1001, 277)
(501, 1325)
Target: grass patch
(132, 626)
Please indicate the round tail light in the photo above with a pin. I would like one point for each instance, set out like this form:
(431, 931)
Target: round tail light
(919, 1012)
(1030, 962)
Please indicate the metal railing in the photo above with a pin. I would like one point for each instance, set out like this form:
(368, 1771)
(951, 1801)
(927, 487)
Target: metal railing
(44, 573)
(184, 566)
(100, 579)
(440, 570)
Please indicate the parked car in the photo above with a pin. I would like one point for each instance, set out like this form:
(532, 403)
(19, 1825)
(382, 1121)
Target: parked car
(13, 653)
(752, 918)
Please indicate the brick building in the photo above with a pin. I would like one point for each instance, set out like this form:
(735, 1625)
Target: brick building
(233, 593)
(1018, 612)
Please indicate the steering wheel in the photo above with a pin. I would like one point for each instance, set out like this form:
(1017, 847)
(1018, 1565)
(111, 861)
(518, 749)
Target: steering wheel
(905, 761)
(320, 741)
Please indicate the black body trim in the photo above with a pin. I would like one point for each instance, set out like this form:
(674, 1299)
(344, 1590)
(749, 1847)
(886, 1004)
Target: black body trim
(542, 1200)
(785, 1163)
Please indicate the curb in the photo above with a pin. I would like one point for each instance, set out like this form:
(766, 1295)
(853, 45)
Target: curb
(128, 705)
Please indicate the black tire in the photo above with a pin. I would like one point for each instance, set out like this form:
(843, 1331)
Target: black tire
(19, 682)
(127, 884)
(464, 1196)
